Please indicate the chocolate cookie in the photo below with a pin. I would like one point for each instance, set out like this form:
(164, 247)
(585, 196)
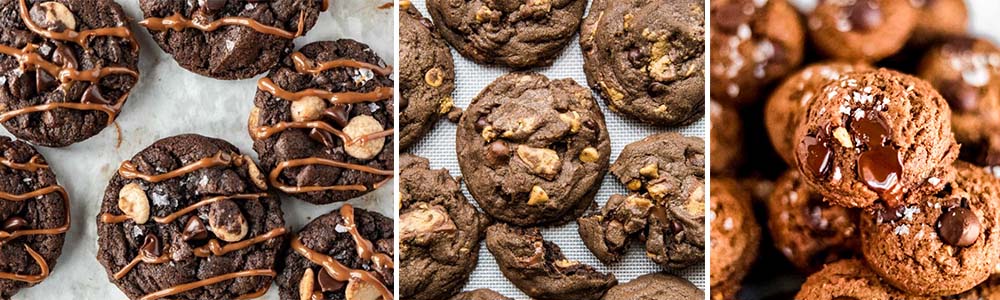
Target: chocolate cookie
(533, 151)
(622, 221)
(806, 229)
(670, 170)
(735, 237)
(66, 68)
(35, 213)
(346, 254)
(942, 244)
(480, 294)
(966, 71)
(845, 280)
(229, 39)
(322, 122)
(518, 34)
(862, 30)
(875, 136)
(660, 286)
(189, 217)
(539, 269)
(937, 19)
(427, 76)
(753, 43)
(440, 232)
(646, 58)
(726, 137)
(788, 103)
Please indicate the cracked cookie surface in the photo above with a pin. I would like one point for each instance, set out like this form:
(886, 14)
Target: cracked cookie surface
(426, 76)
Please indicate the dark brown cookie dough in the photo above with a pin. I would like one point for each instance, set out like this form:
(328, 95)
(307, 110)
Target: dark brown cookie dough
(483, 294)
(943, 244)
(66, 68)
(518, 34)
(646, 58)
(966, 71)
(228, 39)
(622, 221)
(344, 254)
(753, 43)
(844, 280)
(35, 213)
(875, 136)
(322, 122)
(788, 103)
(189, 217)
(938, 19)
(861, 30)
(726, 137)
(533, 151)
(440, 232)
(660, 286)
(426, 76)
(735, 237)
(806, 229)
(539, 269)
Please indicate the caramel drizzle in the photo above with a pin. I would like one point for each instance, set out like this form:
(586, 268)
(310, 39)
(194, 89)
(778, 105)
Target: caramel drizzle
(325, 162)
(214, 248)
(366, 250)
(32, 279)
(113, 218)
(79, 37)
(128, 170)
(382, 93)
(210, 281)
(177, 22)
(263, 132)
(306, 65)
(32, 165)
(141, 258)
(337, 270)
(325, 5)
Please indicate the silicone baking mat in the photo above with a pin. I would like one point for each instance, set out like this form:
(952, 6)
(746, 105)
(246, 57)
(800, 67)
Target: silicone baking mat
(439, 147)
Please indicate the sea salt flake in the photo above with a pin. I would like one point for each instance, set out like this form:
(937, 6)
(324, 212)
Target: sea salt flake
(341, 228)
(902, 230)
(727, 224)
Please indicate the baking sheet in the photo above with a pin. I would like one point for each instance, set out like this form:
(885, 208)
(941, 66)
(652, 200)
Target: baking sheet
(439, 148)
(169, 100)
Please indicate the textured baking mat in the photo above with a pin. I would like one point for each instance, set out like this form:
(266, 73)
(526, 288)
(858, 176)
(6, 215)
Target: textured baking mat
(439, 148)
(169, 100)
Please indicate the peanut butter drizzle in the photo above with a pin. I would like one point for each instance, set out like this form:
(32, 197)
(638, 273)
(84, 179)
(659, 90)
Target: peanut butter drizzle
(32, 165)
(177, 22)
(210, 281)
(263, 132)
(79, 37)
(337, 270)
(128, 170)
(113, 218)
(382, 93)
(9, 236)
(326, 162)
(32, 279)
(256, 294)
(214, 248)
(305, 65)
(165, 257)
(366, 250)
(325, 5)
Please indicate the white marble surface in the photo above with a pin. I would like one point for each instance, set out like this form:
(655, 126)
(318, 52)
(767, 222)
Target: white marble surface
(169, 100)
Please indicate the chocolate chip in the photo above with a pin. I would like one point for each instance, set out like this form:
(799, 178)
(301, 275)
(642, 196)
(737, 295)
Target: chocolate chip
(865, 15)
(403, 103)
(327, 283)
(427, 23)
(194, 230)
(880, 167)
(93, 95)
(151, 247)
(729, 17)
(961, 96)
(482, 123)
(890, 214)
(23, 86)
(43, 81)
(497, 153)
(338, 114)
(14, 223)
(871, 130)
(959, 226)
(817, 154)
(322, 136)
(64, 57)
(214, 5)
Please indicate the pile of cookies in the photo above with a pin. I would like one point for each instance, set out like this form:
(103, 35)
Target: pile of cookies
(533, 151)
(888, 192)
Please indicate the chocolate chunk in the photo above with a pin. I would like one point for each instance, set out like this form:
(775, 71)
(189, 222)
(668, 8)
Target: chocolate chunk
(23, 85)
(959, 226)
(151, 247)
(194, 230)
(818, 155)
(871, 130)
(64, 57)
(214, 5)
(93, 95)
(43, 81)
(881, 169)
(865, 15)
(729, 17)
(14, 223)
(482, 123)
(497, 153)
(327, 283)
(338, 114)
(322, 136)
(890, 214)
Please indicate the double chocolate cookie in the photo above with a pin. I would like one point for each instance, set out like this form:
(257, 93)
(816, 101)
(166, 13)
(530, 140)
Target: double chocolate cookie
(847, 279)
(35, 213)
(539, 269)
(189, 218)
(862, 30)
(229, 39)
(726, 137)
(440, 232)
(735, 237)
(875, 136)
(480, 294)
(939, 19)
(66, 68)
(533, 151)
(660, 286)
(519, 34)
(426, 76)
(322, 122)
(646, 58)
(345, 254)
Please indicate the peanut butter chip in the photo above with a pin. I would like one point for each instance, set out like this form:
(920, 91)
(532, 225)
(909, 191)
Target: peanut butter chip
(308, 109)
(359, 127)
(634, 185)
(53, 16)
(434, 77)
(650, 170)
(358, 289)
(542, 161)
(589, 155)
(537, 196)
(132, 201)
(307, 285)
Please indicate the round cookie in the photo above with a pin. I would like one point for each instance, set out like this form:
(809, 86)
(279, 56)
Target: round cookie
(945, 243)
(726, 137)
(189, 217)
(806, 229)
(670, 169)
(646, 58)
(966, 71)
(753, 43)
(539, 269)
(861, 30)
(440, 232)
(228, 39)
(787, 105)
(735, 237)
(937, 19)
(66, 68)
(533, 151)
(622, 221)
(427, 76)
(518, 34)
(35, 213)
(322, 122)
(655, 286)
(344, 254)
(875, 136)
(481, 294)
(845, 280)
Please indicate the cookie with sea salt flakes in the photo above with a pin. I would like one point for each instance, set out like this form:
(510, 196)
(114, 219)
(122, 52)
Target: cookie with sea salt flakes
(862, 30)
